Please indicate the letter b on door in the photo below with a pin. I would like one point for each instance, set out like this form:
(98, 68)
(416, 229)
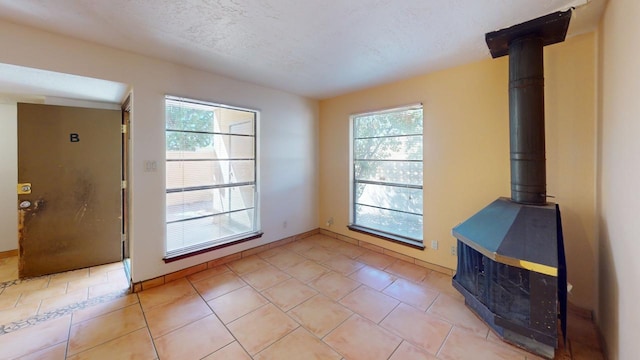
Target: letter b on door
(73, 137)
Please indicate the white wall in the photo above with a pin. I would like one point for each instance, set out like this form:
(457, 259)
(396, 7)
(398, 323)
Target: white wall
(9, 177)
(288, 128)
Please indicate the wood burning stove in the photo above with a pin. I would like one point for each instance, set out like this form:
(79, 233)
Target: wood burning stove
(511, 271)
(511, 261)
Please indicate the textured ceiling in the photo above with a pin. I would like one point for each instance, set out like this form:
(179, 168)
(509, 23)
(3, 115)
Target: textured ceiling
(315, 48)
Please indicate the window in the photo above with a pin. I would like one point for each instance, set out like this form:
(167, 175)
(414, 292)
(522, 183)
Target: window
(211, 175)
(386, 193)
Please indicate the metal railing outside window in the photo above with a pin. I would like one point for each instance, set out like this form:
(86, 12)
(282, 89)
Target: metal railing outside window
(387, 173)
(211, 183)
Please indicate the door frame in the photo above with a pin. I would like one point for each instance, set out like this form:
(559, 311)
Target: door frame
(126, 175)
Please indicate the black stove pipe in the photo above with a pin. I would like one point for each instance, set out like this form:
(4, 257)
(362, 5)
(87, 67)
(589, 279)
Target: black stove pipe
(526, 120)
(519, 301)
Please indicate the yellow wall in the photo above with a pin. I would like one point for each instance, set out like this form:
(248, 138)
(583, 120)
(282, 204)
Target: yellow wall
(618, 178)
(570, 107)
(466, 151)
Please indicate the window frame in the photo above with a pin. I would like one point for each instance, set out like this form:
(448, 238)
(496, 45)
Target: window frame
(353, 182)
(223, 241)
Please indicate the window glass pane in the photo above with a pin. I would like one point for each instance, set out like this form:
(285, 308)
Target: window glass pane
(207, 146)
(388, 171)
(209, 149)
(189, 117)
(231, 121)
(390, 197)
(390, 148)
(207, 230)
(242, 221)
(191, 204)
(188, 233)
(239, 147)
(240, 171)
(186, 174)
(240, 197)
(389, 221)
(185, 116)
(406, 122)
(398, 172)
(184, 145)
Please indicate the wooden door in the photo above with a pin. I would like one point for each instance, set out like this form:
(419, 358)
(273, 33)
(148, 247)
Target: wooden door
(69, 171)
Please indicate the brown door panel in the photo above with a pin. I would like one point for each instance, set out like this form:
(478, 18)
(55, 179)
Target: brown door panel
(72, 158)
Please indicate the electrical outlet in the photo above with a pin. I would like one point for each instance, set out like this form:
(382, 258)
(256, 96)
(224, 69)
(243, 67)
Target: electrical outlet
(330, 221)
(454, 250)
(434, 244)
(284, 224)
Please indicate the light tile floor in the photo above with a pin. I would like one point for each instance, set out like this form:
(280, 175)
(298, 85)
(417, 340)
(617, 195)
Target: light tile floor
(30, 301)
(8, 269)
(317, 298)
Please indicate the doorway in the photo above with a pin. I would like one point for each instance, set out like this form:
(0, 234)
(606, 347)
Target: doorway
(70, 195)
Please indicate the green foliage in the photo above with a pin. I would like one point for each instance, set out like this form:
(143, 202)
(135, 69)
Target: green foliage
(393, 136)
(374, 140)
(182, 118)
(406, 122)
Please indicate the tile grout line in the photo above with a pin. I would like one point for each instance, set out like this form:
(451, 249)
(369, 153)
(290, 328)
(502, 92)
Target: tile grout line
(432, 303)
(444, 341)
(392, 310)
(66, 348)
(144, 316)
(397, 276)
(109, 340)
(396, 349)
(334, 329)
(216, 315)
(270, 302)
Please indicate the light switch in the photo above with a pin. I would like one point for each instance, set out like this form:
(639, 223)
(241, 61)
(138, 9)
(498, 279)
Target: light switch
(150, 166)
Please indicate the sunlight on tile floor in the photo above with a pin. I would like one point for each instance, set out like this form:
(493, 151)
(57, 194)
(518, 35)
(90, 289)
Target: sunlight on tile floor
(317, 298)
(29, 301)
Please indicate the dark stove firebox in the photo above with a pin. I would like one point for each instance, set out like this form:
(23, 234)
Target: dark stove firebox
(511, 261)
(511, 271)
